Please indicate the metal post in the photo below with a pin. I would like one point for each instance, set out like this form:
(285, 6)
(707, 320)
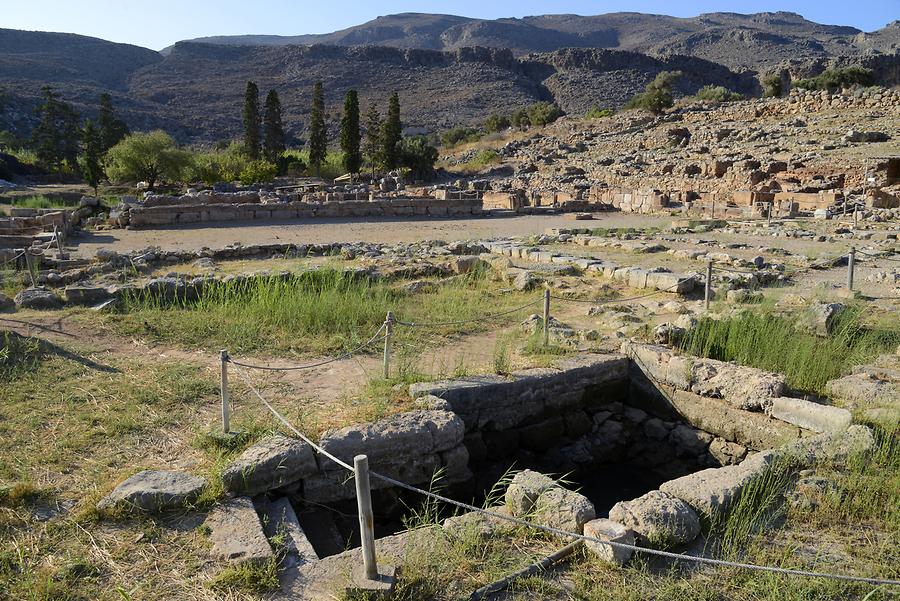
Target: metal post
(708, 291)
(366, 520)
(226, 407)
(546, 316)
(388, 331)
(851, 264)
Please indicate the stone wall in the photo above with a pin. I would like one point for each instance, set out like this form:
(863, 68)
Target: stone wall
(166, 214)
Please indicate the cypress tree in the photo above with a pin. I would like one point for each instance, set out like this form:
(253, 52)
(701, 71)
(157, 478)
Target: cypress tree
(318, 135)
(55, 139)
(392, 133)
(91, 159)
(111, 129)
(273, 128)
(252, 121)
(373, 137)
(350, 137)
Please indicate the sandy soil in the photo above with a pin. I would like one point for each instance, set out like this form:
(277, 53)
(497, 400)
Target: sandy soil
(376, 230)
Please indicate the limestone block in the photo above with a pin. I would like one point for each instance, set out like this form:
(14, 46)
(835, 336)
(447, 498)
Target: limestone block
(564, 509)
(809, 415)
(236, 532)
(523, 492)
(155, 491)
(269, 464)
(608, 530)
(658, 519)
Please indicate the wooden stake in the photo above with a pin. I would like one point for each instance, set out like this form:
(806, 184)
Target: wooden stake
(546, 317)
(226, 408)
(708, 291)
(851, 266)
(388, 331)
(366, 519)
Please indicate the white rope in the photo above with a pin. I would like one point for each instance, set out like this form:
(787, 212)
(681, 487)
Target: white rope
(564, 533)
(320, 363)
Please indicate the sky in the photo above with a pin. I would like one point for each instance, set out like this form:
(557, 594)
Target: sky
(160, 23)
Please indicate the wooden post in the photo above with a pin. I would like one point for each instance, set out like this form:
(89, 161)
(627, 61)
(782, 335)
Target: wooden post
(546, 317)
(226, 408)
(712, 212)
(366, 519)
(29, 265)
(388, 331)
(851, 265)
(855, 217)
(708, 291)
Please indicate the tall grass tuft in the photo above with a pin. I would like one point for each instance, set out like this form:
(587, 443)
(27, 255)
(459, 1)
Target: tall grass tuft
(322, 310)
(769, 341)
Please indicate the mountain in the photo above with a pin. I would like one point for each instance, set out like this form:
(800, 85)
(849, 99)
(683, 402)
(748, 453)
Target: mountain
(735, 40)
(448, 70)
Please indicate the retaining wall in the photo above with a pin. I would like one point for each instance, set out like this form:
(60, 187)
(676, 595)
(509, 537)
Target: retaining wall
(166, 214)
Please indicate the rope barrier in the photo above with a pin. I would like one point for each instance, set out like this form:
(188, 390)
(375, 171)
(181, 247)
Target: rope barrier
(564, 533)
(312, 365)
(412, 324)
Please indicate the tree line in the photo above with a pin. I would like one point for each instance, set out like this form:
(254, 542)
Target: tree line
(104, 148)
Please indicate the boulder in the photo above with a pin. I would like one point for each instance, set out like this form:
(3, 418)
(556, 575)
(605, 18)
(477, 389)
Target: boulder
(465, 263)
(819, 317)
(746, 388)
(87, 295)
(658, 519)
(524, 490)
(38, 298)
(271, 463)
(608, 530)
(809, 415)
(155, 491)
(831, 447)
(6, 304)
(564, 509)
(236, 532)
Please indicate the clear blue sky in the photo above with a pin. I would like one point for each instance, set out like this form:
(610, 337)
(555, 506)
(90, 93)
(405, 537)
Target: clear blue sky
(160, 23)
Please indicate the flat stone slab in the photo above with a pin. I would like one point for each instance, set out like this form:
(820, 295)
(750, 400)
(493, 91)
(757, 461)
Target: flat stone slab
(809, 415)
(269, 464)
(280, 523)
(712, 492)
(236, 532)
(155, 491)
(38, 298)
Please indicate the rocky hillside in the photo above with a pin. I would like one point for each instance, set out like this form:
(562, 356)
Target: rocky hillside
(448, 70)
(738, 41)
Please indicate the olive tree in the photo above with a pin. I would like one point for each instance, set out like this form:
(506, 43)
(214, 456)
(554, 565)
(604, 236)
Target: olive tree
(148, 157)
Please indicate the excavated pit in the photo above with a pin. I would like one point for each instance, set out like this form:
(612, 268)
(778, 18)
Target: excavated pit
(599, 424)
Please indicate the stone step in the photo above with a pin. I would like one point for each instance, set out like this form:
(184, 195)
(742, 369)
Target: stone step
(283, 529)
(236, 532)
(322, 532)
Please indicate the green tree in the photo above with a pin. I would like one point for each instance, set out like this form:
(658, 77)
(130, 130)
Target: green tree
(392, 134)
(318, 134)
(372, 147)
(520, 118)
(92, 156)
(417, 155)
(350, 137)
(273, 128)
(543, 113)
(56, 137)
(111, 128)
(772, 86)
(657, 96)
(252, 121)
(149, 157)
(496, 123)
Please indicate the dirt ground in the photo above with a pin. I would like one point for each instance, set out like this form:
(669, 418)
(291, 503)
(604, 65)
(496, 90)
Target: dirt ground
(375, 230)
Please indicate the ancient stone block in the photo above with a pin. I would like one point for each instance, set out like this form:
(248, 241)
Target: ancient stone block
(271, 463)
(155, 491)
(658, 519)
(236, 532)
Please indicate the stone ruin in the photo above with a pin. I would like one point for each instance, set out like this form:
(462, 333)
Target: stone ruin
(698, 430)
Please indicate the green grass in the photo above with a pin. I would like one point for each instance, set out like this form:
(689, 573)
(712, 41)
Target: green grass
(318, 311)
(770, 341)
(40, 202)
